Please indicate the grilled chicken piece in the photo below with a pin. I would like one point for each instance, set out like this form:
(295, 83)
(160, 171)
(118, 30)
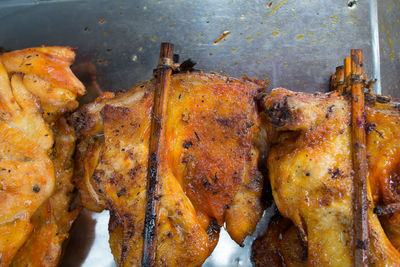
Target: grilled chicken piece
(53, 220)
(210, 174)
(27, 165)
(310, 171)
(48, 76)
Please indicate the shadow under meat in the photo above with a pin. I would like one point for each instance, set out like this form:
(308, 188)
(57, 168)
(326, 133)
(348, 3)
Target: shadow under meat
(80, 241)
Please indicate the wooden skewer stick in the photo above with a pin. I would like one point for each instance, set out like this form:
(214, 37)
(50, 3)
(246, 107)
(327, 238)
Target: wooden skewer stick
(347, 74)
(156, 146)
(333, 83)
(339, 78)
(360, 201)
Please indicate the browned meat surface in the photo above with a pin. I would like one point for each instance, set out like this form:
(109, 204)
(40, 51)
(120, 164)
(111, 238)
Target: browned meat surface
(209, 171)
(310, 172)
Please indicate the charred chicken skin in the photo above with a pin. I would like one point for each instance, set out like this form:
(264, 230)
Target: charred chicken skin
(310, 170)
(36, 89)
(209, 173)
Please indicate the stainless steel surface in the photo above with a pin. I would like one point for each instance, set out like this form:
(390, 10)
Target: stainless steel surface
(389, 31)
(295, 43)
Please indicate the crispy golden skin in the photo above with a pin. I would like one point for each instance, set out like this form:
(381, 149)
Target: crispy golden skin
(42, 246)
(383, 152)
(48, 76)
(310, 172)
(27, 177)
(208, 173)
(53, 220)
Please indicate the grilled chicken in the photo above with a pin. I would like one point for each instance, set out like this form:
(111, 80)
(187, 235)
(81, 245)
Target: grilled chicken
(36, 88)
(209, 174)
(53, 219)
(48, 76)
(310, 173)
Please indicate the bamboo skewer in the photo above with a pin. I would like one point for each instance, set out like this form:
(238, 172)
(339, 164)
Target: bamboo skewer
(350, 79)
(360, 203)
(156, 146)
(332, 82)
(347, 74)
(339, 78)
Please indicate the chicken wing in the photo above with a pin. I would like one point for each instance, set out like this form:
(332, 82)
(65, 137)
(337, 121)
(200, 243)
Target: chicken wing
(210, 175)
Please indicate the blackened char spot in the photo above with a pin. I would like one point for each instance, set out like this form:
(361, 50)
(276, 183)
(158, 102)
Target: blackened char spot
(335, 173)
(153, 157)
(369, 98)
(235, 121)
(279, 112)
(73, 200)
(132, 172)
(330, 110)
(370, 126)
(111, 113)
(187, 66)
(36, 188)
(187, 144)
(153, 178)
(124, 253)
(382, 99)
(378, 210)
(197, 136)
(121, 192)
(213, 228)
(129, 234)
(361, 244)
(224, 122)
(97, 174)
(389, 209)
(249, 124)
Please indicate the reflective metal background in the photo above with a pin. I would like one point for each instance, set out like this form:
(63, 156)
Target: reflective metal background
(295, 43)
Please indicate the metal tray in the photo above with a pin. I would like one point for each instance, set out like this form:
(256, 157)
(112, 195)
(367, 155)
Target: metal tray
(294, 43)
